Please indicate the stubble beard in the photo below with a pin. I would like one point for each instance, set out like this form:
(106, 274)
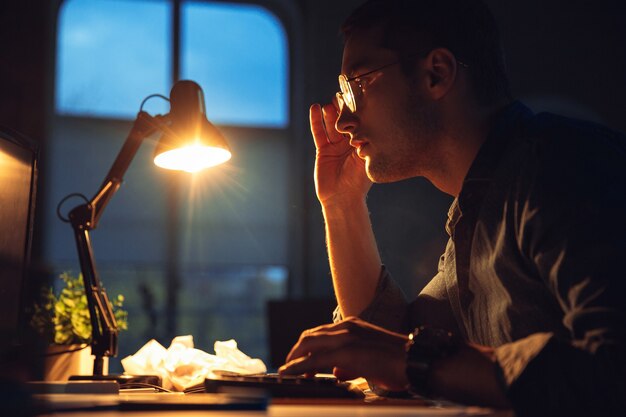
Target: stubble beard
(414, 133)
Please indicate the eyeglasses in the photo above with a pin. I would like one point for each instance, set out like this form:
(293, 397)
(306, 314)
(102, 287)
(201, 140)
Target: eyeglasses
(348, 96)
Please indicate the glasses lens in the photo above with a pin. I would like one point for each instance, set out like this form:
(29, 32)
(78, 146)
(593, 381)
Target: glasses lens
(340, 101)
(346, 93)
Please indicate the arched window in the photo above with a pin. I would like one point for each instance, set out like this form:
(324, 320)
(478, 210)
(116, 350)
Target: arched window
(239, 56)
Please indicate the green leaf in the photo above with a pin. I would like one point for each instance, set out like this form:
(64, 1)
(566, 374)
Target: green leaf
(65, 319)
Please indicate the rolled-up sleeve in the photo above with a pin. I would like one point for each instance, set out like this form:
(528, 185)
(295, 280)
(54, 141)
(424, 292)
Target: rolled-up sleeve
(388, 308)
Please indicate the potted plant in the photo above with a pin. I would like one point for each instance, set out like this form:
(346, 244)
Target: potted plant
(64, 323)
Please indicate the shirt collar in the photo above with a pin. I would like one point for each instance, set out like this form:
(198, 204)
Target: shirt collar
(508, 124)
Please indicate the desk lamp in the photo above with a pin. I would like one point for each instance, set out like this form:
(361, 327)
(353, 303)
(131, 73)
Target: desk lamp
(189, 142)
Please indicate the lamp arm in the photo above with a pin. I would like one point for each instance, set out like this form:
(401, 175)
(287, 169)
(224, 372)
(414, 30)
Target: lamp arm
(84, 218)
(143, 127)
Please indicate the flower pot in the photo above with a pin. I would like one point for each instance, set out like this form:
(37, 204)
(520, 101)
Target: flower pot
(62, 361)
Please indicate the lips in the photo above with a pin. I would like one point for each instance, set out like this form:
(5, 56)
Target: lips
(360, 147)
(357, 143)
(360, 151)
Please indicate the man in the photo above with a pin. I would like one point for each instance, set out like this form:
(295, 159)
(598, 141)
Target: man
(527, 307)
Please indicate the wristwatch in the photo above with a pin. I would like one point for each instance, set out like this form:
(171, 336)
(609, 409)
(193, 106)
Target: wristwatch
(425, 346)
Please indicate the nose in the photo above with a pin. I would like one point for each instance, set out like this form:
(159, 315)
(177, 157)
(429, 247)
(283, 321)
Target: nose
(346, 121)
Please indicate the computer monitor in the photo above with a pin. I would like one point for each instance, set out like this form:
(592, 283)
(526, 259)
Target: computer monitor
(18, 180)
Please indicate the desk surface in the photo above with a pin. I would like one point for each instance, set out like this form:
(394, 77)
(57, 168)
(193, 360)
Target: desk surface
(292, 407)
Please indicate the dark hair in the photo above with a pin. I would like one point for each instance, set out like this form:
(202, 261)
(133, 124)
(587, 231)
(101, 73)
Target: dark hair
(465, 27)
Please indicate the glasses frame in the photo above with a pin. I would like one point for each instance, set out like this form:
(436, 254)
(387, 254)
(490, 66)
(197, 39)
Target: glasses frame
(345, 95)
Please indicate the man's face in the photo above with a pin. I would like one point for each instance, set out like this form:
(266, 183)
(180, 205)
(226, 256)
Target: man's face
(395, 126)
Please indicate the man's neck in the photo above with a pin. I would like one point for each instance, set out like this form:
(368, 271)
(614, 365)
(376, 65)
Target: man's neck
(465, 132)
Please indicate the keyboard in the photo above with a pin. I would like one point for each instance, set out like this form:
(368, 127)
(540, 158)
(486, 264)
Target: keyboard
(275, 385)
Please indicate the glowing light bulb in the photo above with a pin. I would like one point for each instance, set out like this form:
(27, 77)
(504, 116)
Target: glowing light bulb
(192, 158)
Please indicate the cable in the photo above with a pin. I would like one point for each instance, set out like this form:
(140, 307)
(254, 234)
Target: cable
(67, 197)
(132, 385)
(151, 96)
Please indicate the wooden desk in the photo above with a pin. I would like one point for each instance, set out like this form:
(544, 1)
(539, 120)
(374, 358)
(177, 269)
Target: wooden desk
(293, 407)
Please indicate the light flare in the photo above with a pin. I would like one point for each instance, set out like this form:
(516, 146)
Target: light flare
(192, 158)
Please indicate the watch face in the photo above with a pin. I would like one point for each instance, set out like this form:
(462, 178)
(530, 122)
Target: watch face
(432, 342)
(426, 345)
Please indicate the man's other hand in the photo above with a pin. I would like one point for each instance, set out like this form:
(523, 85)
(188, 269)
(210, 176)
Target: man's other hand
(353, 348)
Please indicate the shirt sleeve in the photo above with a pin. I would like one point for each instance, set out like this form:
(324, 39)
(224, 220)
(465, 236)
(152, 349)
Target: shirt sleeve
(388, 307)
(573, 231)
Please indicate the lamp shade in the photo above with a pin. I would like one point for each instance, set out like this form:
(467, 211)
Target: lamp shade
(191, 143)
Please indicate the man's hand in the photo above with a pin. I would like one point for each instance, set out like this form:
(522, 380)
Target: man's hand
(339, 173)
(353, 348)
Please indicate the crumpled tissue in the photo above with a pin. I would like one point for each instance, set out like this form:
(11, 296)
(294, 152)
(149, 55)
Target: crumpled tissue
(181, 365)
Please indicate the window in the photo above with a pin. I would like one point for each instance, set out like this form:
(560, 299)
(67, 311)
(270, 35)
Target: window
(108, 59)
(192, 254)
(238, 55)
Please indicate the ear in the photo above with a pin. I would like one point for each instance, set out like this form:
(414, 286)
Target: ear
(441, 69)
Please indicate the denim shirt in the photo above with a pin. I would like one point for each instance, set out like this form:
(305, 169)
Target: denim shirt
(534, 264)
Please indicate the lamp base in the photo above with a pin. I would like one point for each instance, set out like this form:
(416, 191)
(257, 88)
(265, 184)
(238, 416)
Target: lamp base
(122, 379)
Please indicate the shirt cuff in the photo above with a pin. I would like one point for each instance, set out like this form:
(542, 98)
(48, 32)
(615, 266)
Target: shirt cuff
(514, 357)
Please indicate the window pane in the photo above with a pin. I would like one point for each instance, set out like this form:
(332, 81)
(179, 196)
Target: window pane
(228, 302)
(108, 59)
(238, 54)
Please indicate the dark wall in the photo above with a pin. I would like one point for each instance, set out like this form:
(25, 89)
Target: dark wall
(25, 52)
(26, 56)
(571, 50)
